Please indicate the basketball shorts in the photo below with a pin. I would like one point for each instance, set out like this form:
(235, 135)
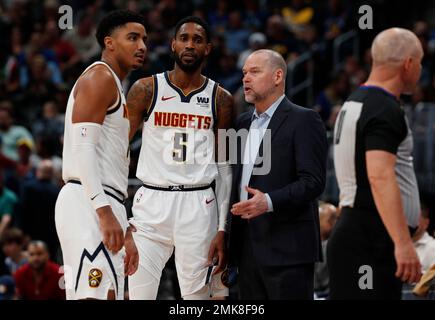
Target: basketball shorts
(90, 269)
(184, 221)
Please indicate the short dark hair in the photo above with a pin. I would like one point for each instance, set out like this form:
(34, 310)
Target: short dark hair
(114, 20)
(38, 243)
(196, 20)
(12, 235)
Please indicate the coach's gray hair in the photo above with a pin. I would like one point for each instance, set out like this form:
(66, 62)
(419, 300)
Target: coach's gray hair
(275, 60)
(394, 45)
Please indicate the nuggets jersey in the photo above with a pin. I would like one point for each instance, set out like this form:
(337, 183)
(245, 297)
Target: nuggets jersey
(177, 137)
(113, 146)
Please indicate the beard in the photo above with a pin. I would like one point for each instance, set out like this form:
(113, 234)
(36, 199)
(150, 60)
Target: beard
(254, 97)
(188, 67)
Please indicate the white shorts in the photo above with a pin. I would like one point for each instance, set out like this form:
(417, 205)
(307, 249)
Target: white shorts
(90, 269)
(184, 220)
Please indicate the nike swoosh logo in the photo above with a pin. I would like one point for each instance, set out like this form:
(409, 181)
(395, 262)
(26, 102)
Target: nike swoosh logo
(167, 98)
(94, 196)
(208, 201)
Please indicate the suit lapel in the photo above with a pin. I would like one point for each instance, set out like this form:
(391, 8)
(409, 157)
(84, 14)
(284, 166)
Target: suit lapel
(241, 152)
(278, 118)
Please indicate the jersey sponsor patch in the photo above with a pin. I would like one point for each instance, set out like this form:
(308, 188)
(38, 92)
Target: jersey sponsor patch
(202, 101)
(95, 276)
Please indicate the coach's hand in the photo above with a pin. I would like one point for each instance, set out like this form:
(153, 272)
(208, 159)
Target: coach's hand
(253, 207)
(131, 260)
(113, 236)
(408, 263)
(216, 253)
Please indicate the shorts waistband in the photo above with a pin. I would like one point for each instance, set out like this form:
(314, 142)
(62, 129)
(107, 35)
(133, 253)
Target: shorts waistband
(120, 199)
(179, 187)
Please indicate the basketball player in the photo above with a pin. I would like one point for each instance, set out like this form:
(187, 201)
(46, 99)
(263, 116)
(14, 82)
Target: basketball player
(176, 208)
(91, 220)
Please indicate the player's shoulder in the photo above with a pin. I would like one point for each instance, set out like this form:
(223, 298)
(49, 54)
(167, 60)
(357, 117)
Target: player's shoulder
(223, 93)
(223, 97)
(143, 87)
(146, 83)
(99, 77)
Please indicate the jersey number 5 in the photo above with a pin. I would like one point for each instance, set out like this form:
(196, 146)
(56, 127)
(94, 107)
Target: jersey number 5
(180, 147)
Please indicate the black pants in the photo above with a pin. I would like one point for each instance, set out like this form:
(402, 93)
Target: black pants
(360, 257)
(259, 282)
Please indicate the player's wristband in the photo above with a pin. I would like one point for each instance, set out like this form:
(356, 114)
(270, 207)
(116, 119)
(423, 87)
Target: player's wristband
(223, 191)
(85, 136)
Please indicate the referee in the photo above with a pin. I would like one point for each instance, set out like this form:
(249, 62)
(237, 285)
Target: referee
(370, 252)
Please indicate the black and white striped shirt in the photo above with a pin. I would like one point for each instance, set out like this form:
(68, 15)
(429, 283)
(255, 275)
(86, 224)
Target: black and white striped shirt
(372, 119)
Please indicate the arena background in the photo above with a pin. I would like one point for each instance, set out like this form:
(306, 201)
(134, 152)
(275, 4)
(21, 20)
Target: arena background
(327, 53)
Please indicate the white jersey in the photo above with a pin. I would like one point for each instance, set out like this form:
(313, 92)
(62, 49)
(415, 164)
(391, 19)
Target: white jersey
(113, 145)
(177, 137)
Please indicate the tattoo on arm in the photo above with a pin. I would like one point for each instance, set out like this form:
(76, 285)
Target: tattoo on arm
(139, 100)
(225, 108)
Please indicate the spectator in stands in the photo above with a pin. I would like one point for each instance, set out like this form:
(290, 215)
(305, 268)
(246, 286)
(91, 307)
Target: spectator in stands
(328, 216)
(40, 88)
(7, 288)
(256, 41)
(24, 169)
(218, 17)
(51, 123)
(10, 134)
(39, 278)
(355, 73)
(66, 55)
(12, 243)
(48, 148)
(82, 38)
(422, 31)
(334, 94)
(423, 242)
(279, 39)
(228, 75)
(26, 60)
(298, 15)
(336, 19)
(236, 35)
(255, 15)
(8, 201)
(38, 202)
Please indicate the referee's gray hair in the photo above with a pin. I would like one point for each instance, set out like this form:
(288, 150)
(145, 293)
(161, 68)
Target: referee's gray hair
(394, 45)
(275, 60)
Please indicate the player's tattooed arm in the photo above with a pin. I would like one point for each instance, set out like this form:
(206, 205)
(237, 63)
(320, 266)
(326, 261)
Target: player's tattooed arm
(225, 115)
(139, 100)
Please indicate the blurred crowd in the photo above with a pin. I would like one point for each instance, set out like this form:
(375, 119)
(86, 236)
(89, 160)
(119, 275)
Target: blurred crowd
(40, 62)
